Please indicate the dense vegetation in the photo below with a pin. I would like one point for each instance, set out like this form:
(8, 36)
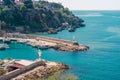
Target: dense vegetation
(2, 71)
(38, 16)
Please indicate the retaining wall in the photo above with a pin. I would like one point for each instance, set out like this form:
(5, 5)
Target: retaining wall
(17, 72)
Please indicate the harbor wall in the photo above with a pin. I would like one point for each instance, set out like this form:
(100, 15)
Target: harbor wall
(55, 43)
(17, 72)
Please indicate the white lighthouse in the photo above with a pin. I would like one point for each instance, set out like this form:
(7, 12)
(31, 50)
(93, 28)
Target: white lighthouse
(39, 55)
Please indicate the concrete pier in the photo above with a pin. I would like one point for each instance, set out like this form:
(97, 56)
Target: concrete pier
(41, 41)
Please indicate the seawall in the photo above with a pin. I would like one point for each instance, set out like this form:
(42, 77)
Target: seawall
(37, 41)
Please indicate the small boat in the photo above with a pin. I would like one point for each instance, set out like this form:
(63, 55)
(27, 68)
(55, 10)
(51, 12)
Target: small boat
(43, 47)
(71, 30)
(21, 41)
(3, 46)
(7, 41)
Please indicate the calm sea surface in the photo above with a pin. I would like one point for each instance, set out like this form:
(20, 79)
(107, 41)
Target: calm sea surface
(101, 34)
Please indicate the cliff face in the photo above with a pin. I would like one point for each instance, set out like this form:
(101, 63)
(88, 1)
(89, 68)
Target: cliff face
(41, 16)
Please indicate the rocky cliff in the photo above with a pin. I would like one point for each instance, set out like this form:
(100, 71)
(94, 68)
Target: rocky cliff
(38, 16)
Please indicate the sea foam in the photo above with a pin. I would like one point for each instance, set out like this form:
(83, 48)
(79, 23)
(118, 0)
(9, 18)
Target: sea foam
(115, 17)
(91, 15)
(114, 30)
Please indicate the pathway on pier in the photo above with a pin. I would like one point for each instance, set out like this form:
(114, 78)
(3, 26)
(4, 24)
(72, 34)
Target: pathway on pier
(55, 43)
(56, 40)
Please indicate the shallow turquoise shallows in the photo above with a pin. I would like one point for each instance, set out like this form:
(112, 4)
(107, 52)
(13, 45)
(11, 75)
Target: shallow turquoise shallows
(101, 34)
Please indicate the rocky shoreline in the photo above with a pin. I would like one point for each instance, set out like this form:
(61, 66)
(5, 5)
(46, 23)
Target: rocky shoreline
(42, 72)
(72, 48)
(29, 70)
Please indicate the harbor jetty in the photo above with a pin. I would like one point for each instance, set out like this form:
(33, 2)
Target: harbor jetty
(43, 42)
(25, 69)
(42, 72)
(13, 69)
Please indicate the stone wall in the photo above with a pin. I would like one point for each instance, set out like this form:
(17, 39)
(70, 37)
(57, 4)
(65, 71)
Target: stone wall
(17, 72)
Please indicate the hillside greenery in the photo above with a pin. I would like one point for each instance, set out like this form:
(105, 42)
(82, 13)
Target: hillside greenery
(38, 16)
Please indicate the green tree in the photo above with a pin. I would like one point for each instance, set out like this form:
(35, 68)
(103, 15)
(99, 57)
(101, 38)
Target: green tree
(9, 58)
(8, 2)
(28, 3)
(22, 7)
(2, 71)
(60, 76)
(2, 25)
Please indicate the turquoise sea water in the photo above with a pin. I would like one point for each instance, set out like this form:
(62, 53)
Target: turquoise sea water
(101, 34)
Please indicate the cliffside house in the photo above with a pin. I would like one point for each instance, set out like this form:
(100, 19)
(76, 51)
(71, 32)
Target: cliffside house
(20, 29)
(1, 3)
(16, 64)
(19, 2)
(20, 64)
(65, 24)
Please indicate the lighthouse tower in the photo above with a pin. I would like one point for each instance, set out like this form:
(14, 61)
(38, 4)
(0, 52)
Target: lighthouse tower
(39, 55)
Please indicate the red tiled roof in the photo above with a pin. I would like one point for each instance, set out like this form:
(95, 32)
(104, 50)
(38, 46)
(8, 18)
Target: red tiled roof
(19, 66)
(19, 3)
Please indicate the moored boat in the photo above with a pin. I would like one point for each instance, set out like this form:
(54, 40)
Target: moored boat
(44, 47)
(3, 46)
(7, 41)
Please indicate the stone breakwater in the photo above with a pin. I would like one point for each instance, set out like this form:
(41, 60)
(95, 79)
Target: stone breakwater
(71, 48)
(42, 71)
(34, 70)
(41, 41)
(65, 45)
